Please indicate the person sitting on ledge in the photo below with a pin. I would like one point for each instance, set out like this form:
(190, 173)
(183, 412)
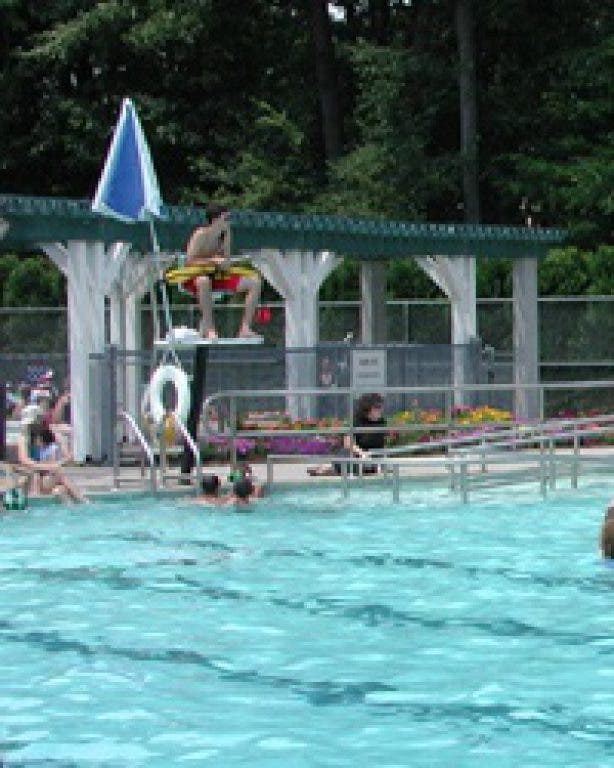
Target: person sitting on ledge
(41, 457)
(368, 413)
(207, 247)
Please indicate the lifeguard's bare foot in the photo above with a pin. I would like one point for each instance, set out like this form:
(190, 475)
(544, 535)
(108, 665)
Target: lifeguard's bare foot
(211, 334)
(247, 333)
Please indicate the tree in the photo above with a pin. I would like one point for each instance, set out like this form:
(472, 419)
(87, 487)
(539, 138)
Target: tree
(326, 77)
(467, 87)
(32, 282)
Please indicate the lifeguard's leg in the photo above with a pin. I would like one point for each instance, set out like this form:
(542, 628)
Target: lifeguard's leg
(205, 303)
(251, 287)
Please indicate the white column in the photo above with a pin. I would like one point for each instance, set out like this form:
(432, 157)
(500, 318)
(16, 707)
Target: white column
(526, 338)
(456, 276)
(90, 269)
(298, 276)
(373, 320)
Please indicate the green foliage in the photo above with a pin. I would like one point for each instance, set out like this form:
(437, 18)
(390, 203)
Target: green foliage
(391, 171)
(271, 171)
(230, 103)
(31, 282)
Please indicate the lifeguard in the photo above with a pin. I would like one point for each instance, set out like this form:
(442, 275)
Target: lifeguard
(208, 269)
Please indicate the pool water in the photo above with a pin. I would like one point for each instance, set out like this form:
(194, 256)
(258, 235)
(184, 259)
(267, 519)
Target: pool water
(316, 631)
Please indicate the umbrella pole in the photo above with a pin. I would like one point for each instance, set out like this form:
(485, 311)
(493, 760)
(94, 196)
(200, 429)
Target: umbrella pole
(168, 321)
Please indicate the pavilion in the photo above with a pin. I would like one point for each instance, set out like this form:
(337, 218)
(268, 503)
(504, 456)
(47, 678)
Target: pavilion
(102, 257)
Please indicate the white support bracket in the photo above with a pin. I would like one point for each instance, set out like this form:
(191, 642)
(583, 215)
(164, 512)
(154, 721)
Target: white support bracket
(298, 276)
(456, 276)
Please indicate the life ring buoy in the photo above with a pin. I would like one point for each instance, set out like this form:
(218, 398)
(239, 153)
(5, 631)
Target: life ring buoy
(179, 379)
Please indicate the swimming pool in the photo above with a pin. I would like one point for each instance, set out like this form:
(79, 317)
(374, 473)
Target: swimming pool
(315, 632)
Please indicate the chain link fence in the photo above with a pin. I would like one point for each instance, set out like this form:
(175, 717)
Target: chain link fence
(576, 336)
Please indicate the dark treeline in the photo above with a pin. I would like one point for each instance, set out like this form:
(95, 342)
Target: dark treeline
(497, 111)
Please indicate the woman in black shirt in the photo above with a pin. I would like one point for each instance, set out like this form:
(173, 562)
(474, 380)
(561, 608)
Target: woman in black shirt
(368, 413)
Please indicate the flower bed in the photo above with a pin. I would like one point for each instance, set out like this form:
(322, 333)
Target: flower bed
(429, 425)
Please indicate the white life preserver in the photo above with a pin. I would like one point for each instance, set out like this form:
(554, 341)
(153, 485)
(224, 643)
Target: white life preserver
(179, 378)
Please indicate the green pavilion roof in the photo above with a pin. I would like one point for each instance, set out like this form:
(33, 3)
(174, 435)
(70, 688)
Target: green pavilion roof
(376, 239)
(33, 220)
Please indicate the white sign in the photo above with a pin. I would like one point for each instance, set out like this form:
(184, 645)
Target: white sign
(368, 369)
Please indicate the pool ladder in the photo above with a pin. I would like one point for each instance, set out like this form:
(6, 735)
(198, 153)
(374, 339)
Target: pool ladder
(147, 457)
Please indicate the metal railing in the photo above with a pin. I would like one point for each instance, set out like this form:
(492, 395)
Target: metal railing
(512, 467)
(460, 452)
(448, 394)
(192, 447)
(144, 445)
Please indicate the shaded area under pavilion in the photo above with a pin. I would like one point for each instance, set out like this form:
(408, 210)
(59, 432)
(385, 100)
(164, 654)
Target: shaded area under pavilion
(102, 257)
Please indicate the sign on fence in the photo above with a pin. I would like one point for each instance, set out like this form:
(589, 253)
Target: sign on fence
(368, 369)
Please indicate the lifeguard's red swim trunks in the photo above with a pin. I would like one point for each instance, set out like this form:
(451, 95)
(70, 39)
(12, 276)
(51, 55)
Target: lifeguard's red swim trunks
(227, 283)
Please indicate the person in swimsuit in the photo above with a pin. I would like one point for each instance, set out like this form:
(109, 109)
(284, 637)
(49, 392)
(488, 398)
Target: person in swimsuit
(207, 247)
(41, 457)
(210, 487)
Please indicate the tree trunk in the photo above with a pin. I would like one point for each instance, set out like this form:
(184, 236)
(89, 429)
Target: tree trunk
(468, 108)
(379, 17)
(326, 74)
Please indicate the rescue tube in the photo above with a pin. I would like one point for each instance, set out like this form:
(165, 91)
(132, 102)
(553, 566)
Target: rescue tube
(179, 275)
(179, 379)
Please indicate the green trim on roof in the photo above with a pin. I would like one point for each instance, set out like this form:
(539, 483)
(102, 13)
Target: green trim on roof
(34, 220)
(376, 239)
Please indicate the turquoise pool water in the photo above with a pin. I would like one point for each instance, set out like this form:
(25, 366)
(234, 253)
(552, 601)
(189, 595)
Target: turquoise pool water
(314, 632)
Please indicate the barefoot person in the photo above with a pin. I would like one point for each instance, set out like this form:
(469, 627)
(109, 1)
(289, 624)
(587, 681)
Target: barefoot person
(368, 414)
(40, 457)
(207, 247)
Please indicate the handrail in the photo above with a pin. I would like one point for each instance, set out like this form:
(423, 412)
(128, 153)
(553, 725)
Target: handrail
(457, 465)
(494, 438)
(147, 449)
(193, 449)
(353, 393)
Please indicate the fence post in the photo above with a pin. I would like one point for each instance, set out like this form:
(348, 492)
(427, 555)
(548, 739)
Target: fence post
(463, 482)
(345, 470)
(395, 483)
(576, 459)
(110, 434)
(233, 429)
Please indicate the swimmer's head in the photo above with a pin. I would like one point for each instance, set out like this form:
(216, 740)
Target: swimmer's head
(210, 485)
(242, 489)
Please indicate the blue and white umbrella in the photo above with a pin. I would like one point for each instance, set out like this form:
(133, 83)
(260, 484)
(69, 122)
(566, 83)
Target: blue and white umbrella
(128, 188)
